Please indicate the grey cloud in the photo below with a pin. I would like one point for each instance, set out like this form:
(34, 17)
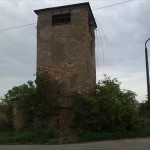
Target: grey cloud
(126, 28)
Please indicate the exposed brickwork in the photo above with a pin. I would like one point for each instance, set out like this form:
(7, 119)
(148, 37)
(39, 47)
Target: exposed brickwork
(17, 119)
(67, 53)
(60, 119)
(57, 71)
(3, 116)
(70, 71)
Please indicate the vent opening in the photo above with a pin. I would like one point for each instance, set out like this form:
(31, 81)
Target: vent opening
(61, 19)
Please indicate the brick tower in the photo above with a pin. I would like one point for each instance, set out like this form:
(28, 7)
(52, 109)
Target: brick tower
(66, 46)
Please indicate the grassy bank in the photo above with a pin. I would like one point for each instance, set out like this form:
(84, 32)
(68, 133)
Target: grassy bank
(87, 137)
(53, 138)
(25, 138)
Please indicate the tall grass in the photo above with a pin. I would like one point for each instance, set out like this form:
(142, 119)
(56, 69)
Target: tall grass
(54, 138)
(26, 137)
(86, 137)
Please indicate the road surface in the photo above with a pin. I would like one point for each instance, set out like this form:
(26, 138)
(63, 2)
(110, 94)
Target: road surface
(129, 144)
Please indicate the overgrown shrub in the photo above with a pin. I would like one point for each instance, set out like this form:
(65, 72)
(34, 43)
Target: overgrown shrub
(110, 109)
(35, 101)
(144, 110)
(6, 122)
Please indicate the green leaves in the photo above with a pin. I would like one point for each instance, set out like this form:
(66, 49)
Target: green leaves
(110, 109)
(33, 101)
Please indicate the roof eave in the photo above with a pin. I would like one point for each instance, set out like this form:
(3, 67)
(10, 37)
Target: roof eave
(39, 11)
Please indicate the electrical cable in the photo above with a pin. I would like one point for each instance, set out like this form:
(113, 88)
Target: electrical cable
(100, 44)
(93, 10)
(102, 31)
(17, 27)
(113, 5)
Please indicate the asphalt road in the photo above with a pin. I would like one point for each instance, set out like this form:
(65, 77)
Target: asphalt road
(134, 144)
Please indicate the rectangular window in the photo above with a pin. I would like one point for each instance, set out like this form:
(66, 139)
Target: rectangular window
(61, 19)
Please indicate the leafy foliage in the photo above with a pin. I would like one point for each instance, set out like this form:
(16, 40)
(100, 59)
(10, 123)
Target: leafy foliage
(6, 123)
(110, 109)
(145, 110)
(34, 101)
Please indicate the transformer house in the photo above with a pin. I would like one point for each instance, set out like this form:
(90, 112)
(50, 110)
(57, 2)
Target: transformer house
(66, 46)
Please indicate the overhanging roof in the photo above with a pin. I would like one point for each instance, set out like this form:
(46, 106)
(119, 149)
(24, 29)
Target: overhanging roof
(46, 10)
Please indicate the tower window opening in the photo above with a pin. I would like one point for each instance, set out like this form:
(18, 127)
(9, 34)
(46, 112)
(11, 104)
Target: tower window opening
(61, 19)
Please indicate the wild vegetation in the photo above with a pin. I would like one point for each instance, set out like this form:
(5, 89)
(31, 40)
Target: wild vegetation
(109, 109)
(109, 113)
(34, 102)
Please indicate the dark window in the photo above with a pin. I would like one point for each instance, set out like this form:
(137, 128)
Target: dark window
(61, 19)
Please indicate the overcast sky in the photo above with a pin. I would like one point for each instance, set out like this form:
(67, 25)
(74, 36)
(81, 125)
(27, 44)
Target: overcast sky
(125, 27)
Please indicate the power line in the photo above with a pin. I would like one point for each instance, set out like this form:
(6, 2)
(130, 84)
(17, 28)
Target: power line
(98, 44)
(18, 27)
(102, 31)
(113, 5)
(93, 10)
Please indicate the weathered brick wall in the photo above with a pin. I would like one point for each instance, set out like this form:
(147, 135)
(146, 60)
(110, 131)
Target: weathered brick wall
(3, 116)
(64, 51)
(72, 75)
(67, 53)
(17, 119)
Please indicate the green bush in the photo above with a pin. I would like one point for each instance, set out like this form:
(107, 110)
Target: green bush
(34, 101)
(110, 109)
(6, 122)
(145, 110)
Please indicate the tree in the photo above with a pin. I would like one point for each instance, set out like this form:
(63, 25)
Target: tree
(35, 101)
(109, 109)
(144, 110)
